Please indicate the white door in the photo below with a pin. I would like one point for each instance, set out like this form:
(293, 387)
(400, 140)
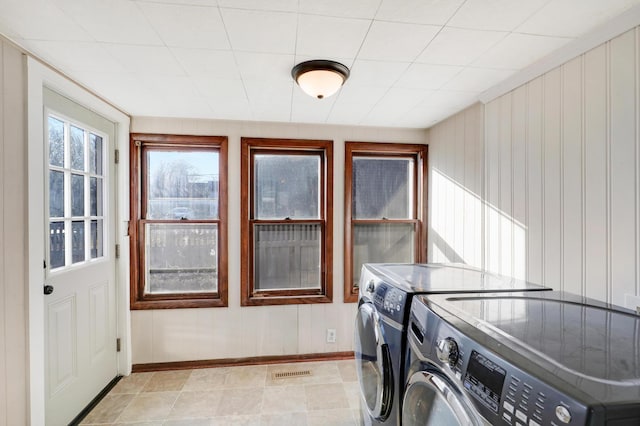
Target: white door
(80, 299)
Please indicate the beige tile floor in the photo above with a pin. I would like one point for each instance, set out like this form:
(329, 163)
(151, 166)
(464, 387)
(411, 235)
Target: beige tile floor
(235, 396)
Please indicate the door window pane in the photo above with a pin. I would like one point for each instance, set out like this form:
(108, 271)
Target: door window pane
(56, 142)
(77, 148)
(95, 154)
(382, 188)
(183, 185)
(77, 241)
(286, 186)
(287, 256)
(181, 258)
(95, 196)
(56, 194)
(96, 243)
(56, 244)
(77, 195)
(382, 243)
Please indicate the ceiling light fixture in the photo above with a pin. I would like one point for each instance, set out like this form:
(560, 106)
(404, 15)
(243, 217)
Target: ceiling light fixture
(320, 78)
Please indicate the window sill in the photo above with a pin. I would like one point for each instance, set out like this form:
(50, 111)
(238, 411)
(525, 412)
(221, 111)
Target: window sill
(284, 300)
(177, 303)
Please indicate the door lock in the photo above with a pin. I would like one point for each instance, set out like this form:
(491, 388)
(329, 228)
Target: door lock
(48, 289)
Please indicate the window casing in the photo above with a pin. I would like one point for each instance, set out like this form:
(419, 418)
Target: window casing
(178, 227)
(286, 229)
(385, 207)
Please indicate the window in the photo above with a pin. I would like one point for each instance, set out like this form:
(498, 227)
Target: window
(76, 188)
(286, 221)
(178, 227)
(385, 207)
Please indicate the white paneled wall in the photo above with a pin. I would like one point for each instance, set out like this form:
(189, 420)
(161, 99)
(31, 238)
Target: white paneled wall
(13, 254)
(455, 189)
(561, 177)
(195, 334)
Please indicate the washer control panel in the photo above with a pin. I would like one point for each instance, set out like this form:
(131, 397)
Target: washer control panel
(387, 299)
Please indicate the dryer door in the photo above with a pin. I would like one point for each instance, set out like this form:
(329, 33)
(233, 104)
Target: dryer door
(373, 362)
(431, 399)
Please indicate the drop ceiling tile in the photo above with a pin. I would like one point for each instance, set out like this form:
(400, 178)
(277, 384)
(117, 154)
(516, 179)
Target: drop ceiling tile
(457, 46)
(187, 26)
(323, 36)
(211, 63)
(393, 105)
(170, 87)
(39, 20)
(376, 73)
(183, 2)
(434, 12)
(477, 79)
(219, 89)
(306, 109)
(426, 76)
(230, 109)
(71, 56)
(572, 18)
(262, 32)
(389, 41)
(354, 103)
(124, 90)
(112, 21)
(151, 60)
(266, 93)
(516, 51)
(272, 5)
(498, 15)
(265, 66)
(348, 9)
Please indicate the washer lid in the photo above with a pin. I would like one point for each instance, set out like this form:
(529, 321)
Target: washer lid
(446, 278)
(592, 345)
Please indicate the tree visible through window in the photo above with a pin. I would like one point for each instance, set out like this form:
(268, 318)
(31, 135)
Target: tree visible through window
(179, 249)
(385, 201)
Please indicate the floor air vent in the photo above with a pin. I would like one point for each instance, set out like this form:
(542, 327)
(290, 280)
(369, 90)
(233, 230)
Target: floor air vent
(290, 374)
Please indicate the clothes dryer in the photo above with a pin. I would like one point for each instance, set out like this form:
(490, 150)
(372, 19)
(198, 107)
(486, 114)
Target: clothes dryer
(546, 358)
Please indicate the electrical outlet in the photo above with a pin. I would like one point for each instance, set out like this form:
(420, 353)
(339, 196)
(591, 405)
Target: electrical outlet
(331, 335)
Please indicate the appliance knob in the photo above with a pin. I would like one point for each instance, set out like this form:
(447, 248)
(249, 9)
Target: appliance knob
(447, 351)
(371, 286)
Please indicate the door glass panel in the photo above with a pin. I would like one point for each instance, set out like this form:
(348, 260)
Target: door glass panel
(366, 353)
(56, 142)
(68, 193)
(56, 194)
(182, 184)
(286, 186)
(96, 238)
(382, 243)
(95, 154)
(287, 256)
(382, 188)
(77, 241)
(424, 404)
(181, 258)
(77, 148)
(56, 244)
(77, 195)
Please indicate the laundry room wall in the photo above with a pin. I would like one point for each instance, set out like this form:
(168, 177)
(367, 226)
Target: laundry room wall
(217, 333)
(561, 176)
(13, 247)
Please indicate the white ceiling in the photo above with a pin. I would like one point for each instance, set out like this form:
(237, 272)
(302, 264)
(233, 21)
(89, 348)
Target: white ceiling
(413, 62)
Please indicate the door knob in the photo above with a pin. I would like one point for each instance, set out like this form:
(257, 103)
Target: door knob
(48, 289)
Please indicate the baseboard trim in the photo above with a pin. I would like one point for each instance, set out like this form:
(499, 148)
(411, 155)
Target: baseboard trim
(233, 362)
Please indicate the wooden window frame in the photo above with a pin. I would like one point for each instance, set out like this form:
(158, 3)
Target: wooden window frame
(384, 150)
(323, 148)
(140, 300)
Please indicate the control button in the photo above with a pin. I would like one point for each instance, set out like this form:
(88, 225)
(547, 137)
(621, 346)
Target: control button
(458, 375)
(507, 417)
(399, 297)
(521, 416)
(508, 407)
(563, 414)
(532, 423)
(398, 307)
(519, 424)
(371, 286)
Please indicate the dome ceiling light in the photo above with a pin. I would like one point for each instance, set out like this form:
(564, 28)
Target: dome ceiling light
(320, 78)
